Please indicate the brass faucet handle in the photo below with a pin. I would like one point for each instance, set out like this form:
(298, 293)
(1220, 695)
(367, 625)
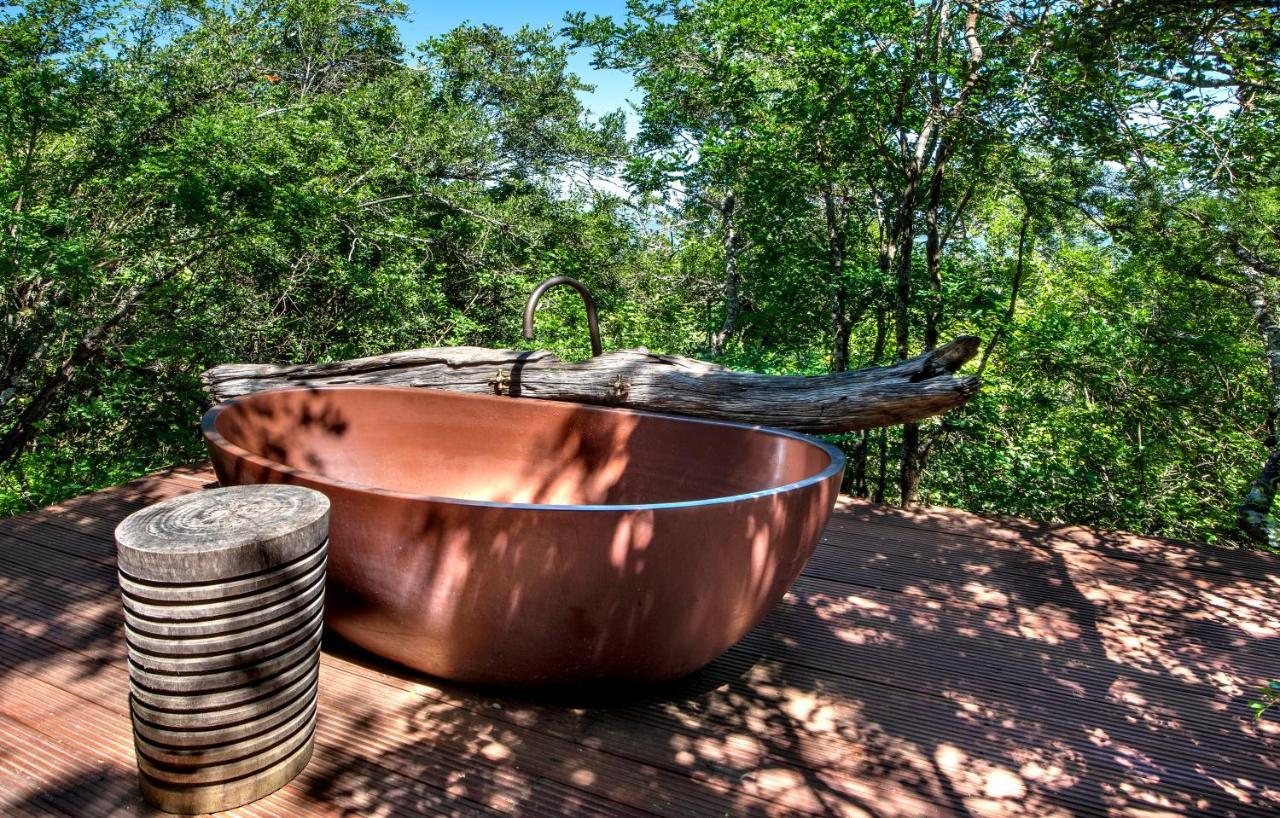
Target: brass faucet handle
(501, 382)
(621, 388)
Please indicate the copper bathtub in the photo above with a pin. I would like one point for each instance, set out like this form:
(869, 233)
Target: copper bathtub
(510, 541)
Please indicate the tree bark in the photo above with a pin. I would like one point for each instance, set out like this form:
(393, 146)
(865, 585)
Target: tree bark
(934, 242)
(908, 465)
(1258, 501)
(877, 495)
(908, 479)
(905, 241)
(858, 464)
(861, 483)
(637, 379)
(912, 462)
(842, 325)
(732, 283)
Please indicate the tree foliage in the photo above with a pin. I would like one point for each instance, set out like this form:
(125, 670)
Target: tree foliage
(811, 186)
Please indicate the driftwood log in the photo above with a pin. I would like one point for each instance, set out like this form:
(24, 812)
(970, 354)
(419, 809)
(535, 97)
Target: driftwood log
(910, 390)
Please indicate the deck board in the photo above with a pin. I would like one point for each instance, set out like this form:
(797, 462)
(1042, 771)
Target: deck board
(929, 662)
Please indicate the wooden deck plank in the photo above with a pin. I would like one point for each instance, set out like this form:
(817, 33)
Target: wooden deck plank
(1148, 550)
(930, 662)
(99, 622)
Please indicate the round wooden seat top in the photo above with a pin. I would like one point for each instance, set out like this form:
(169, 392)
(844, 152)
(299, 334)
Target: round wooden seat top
(221, 534)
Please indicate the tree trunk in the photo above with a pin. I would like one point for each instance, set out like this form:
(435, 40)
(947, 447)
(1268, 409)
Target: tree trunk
(861, 484)
(842, 332)
(883, 467)
(912, 463)
(841, 324)
(909, 465)
(858, 465)
(847, 401)
(933, 249)
(1256, 506)
(732, 296)
(902, 294)
(908, 479)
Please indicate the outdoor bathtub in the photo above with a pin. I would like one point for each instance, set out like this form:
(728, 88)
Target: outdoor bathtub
(512, 541)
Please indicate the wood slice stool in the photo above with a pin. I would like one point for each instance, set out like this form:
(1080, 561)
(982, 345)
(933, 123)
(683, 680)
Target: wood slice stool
(223, 595)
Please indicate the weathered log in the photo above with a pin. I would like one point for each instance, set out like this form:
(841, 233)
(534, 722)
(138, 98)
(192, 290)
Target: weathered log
(910, 390)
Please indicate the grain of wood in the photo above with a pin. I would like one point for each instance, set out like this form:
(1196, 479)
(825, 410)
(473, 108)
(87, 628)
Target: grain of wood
(911, 390)
(172, 676)
(204, 728)
(221, 534)
(251, 745)
(223, 599)
(240, 766)
(194, 800)
(223, 699)
(260, 631)
(215, 599)
(294, 597)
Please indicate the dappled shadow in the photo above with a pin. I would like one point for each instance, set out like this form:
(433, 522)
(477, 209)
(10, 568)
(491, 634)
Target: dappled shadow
(57, 569)
(927, 663)
(110, 791)
(734, 738)
(486, 591)
(1136, 655)
(852, 700)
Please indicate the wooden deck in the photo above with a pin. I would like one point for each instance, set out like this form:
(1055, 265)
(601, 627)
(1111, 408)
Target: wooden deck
(928, 663)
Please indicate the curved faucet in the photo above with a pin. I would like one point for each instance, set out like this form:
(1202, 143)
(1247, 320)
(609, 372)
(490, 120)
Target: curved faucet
(593, 325)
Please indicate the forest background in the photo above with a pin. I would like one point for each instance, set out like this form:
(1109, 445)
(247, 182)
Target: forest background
(798, 186)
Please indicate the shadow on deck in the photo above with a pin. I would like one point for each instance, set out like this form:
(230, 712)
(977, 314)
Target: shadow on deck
(928, 662)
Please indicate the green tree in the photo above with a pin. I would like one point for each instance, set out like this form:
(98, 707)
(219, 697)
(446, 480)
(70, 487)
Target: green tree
(1186, 99)
(263, 181)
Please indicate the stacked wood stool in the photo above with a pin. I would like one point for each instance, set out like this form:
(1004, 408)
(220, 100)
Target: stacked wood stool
(224, 606)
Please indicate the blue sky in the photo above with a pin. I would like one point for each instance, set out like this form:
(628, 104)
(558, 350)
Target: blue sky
(429, 17)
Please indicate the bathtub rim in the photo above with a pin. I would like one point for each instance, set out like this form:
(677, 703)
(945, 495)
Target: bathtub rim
(213, 437)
